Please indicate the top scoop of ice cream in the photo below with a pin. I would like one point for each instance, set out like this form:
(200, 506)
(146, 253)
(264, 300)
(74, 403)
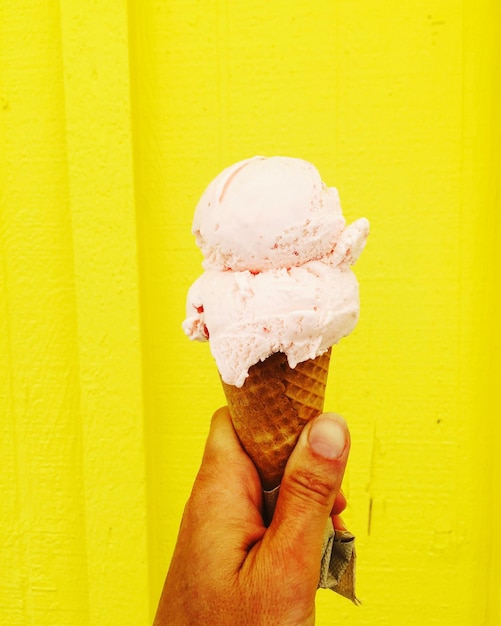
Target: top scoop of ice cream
(265, 213)
(277, 259)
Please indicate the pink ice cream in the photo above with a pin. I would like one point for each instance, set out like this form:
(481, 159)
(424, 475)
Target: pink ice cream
(277, 266)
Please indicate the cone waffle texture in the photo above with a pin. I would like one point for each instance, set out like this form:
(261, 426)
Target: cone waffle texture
(270, 410)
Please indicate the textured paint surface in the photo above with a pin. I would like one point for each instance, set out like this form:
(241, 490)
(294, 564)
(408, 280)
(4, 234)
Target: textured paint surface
(113, 118)
(74, 531)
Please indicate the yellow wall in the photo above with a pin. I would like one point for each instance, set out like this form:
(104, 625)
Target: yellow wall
(113, 118)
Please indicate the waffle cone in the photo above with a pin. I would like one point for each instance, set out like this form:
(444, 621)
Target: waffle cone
(270, 410)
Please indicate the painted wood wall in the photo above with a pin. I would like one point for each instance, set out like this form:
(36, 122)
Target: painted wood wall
(113, 118)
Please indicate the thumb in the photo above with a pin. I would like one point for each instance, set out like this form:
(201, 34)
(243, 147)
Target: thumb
(310, 485)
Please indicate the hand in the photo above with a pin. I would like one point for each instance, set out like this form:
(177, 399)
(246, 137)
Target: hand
(228, 568)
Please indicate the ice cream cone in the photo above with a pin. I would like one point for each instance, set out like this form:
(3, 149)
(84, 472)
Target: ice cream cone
(270, 410)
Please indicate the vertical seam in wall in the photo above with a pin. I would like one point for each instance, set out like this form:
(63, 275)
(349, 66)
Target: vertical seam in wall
(494, 574)
(222, 77)
(477, 92)
(75, 43)
(75, 304)
(461, 194)
(134, 112)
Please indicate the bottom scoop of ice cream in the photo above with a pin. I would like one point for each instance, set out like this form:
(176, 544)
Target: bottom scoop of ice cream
(301, 311)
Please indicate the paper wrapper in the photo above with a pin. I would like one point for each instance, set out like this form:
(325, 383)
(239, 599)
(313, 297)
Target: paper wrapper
(269, 413)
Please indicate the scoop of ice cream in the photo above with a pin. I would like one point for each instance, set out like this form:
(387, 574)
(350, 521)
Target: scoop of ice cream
(300, 311)
(277, 259)
(264, 213)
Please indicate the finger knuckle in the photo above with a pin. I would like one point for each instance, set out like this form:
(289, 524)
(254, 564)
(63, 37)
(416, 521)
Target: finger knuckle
(307, 485)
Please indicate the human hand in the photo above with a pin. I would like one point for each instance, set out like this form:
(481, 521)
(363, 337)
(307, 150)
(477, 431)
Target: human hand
(229, 569)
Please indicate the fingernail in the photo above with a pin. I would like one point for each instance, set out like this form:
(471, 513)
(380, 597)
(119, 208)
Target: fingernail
(327, 437)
